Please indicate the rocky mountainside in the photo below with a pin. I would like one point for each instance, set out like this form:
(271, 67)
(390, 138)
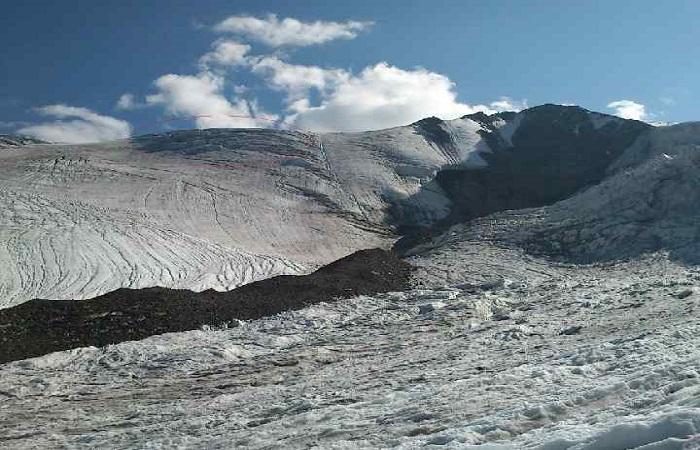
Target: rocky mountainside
(645, 203)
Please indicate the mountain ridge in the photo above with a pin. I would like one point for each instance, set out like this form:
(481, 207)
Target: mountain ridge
(250, 204)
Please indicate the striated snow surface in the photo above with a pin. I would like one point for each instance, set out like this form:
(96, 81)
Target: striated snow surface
(73, 250)
(205, 209)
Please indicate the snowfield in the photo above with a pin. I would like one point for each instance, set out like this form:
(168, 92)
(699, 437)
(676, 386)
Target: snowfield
(204, 209)
(594, 357)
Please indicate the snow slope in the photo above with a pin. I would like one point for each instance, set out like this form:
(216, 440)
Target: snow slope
(648, 203)
(219, 208)
(204, 209)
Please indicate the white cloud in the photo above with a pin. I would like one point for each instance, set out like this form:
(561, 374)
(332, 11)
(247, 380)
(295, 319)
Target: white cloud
(289, 31)
(383, 96)
(316, 98)
(200, 97)
(225, 53)
(128, 102)
(508, 104)
(75, 125)
(296, 80)
(628, 109)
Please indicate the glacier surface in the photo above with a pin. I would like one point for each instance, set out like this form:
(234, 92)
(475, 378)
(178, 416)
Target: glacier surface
(532, 356)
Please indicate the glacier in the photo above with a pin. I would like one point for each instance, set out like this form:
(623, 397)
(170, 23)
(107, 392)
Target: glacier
(545, 312)
(201, 209)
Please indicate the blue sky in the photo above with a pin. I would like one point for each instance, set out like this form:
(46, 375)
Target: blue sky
(329, 65)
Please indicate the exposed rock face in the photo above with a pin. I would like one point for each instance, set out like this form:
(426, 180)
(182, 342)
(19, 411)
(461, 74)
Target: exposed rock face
(533, 158)
(553, 152)
(38, 327)
(646, 202)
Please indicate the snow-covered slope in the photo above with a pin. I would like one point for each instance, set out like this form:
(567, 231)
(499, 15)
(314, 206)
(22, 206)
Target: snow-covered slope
(646, 202)
(205, 209)
(503, 342)
(218, 208)
(650, 203)
(72, 249)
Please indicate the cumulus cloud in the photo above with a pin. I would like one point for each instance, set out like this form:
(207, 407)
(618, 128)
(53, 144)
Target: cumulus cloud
(225, 53)
(628, 109)
(313, 97)
(383, 96)
(288, 31)
(507, 104)
(200, 97)
(74, 125)
(296, 80)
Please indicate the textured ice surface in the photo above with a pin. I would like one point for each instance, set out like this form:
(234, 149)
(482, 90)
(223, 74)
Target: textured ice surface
(204, 209)
(483, 363)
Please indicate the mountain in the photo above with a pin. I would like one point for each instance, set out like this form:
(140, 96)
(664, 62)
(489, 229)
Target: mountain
(198, 209)
(220, 208)
(542, 294)
(643, 203)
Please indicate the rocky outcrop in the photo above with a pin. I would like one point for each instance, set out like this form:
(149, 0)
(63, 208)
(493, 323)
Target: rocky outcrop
(38, 327)
(534, 158)
(553, 152)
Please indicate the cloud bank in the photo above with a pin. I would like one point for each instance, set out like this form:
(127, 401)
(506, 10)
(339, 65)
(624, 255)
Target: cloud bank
(383, 96)
(73, 125)
(201, 97)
